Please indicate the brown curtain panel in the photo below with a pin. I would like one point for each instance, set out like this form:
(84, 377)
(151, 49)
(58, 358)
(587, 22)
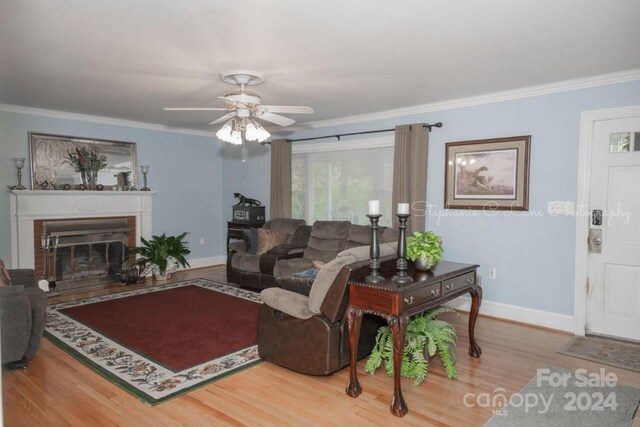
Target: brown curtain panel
(280, 206)
(410, 173)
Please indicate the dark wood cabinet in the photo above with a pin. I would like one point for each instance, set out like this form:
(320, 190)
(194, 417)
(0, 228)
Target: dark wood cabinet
(234, 230)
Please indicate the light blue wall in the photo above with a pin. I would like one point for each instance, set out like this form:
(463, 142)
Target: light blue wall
(533, 255)
(186, 170)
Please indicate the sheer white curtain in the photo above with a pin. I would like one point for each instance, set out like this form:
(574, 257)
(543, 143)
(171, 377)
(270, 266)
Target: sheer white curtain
(334, 181)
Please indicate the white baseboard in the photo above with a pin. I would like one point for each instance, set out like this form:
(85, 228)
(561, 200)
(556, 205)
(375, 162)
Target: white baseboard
(207, 261)
(547, 319)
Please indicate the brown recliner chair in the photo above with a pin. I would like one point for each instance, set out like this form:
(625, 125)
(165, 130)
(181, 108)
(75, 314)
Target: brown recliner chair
(309, 334)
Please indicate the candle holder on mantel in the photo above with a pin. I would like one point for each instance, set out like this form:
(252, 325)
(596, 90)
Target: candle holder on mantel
(145, 171)
(401, 277)
(374, 277)
(19, 162)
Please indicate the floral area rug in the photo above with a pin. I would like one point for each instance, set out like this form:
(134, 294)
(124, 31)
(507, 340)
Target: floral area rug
(161, 342)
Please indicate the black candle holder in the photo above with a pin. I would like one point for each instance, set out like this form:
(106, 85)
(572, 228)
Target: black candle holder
(401, 277)
(374, 277)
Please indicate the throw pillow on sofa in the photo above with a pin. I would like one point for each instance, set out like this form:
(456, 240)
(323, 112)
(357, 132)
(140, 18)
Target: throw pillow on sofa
(267, 239)
(5, 278)
(250, 237)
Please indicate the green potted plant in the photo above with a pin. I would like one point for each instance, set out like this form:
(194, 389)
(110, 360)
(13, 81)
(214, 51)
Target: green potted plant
(424, 249)
(425, 336)
(161, 255)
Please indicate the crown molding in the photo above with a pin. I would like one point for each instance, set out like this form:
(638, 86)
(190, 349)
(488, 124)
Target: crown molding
(507, 95)
(100, 119)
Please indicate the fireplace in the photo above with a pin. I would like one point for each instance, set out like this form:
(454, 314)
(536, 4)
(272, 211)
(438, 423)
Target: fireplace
(81, 249)
(98, 215)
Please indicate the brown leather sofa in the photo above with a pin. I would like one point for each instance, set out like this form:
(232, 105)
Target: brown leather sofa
(309, 334)
(326, 240)
(256, 271)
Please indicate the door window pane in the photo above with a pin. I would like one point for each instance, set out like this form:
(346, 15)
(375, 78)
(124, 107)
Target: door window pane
(624, 142)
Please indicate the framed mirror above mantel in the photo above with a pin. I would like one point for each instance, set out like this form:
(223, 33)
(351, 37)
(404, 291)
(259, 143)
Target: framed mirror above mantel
(61, 162)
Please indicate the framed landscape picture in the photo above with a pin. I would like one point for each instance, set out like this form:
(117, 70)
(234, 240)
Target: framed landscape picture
(491, 174)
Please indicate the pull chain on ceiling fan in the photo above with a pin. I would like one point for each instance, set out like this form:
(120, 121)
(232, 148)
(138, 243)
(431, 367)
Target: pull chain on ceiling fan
(245, 110)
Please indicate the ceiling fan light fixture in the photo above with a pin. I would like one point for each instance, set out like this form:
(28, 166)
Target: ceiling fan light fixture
(236, 138)
(225, 131)
(251, 132)
(262, 134)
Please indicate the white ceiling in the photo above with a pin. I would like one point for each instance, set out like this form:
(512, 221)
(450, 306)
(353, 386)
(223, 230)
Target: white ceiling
(128, 59)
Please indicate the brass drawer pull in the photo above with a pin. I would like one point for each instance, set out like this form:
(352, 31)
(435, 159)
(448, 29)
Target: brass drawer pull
(434, 292)
(408, 300)
(449, 286)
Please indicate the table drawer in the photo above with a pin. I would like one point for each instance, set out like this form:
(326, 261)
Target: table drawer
(419, 296)
(456, 283)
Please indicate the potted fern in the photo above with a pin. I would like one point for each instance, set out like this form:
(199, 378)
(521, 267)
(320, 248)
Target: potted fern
(161, 255)
(425, 336)
(425, 249)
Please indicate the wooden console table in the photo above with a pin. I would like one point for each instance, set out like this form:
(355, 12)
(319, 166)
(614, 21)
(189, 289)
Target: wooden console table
(395, 303)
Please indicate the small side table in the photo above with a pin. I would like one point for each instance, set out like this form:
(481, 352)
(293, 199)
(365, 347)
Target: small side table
(234, 230)
(395, 303)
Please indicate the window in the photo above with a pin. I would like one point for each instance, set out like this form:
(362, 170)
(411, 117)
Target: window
(334, 180)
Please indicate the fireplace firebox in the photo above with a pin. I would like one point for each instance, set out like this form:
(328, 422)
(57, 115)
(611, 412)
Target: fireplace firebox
(84, 248)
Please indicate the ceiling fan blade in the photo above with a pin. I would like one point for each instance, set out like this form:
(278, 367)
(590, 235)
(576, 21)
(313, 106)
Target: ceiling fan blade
(223, 118)
(290, 109)
(193, 109)
(277, 119)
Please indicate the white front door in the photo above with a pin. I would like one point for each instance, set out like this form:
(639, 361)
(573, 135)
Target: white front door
(613, 295)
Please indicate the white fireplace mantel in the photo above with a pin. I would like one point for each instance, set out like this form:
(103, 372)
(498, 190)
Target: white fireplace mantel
(30, 205)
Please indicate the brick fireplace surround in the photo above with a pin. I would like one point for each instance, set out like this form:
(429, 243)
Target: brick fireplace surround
(29, 208)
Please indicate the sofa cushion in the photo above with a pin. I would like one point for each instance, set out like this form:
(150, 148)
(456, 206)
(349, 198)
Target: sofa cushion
(250, 236)
(301, 237)
(287, 267)
(296, 284)
(291, 303)
(237, 246)
(269, 238)
(389, 235)
(363, 253)
(324, 280)
(5, 277)
(358, 235)
(246, 262)
(290, 225)
(327, 239)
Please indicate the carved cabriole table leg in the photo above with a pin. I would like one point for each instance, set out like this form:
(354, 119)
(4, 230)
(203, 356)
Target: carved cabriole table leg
(354, 320)
(476, 300)
(398, 325)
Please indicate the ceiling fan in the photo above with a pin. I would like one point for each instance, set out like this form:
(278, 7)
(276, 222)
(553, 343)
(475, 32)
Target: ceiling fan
(245, 109)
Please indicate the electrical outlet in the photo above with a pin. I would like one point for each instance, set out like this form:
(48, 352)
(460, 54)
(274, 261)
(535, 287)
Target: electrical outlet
(492, 273)
(202, 240)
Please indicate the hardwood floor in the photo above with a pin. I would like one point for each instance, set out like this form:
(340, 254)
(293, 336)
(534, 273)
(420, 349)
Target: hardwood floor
(58, 390)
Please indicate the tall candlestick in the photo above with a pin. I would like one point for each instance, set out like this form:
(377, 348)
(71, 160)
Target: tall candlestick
(374, 251)
(374, 207)
(401, 277)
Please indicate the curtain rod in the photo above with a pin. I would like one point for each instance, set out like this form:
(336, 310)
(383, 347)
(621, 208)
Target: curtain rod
(338, 136)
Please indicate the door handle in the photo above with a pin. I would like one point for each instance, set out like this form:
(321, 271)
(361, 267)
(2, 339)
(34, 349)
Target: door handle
(595, 241)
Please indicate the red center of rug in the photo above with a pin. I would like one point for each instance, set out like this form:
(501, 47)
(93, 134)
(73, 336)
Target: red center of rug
(178, 328)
